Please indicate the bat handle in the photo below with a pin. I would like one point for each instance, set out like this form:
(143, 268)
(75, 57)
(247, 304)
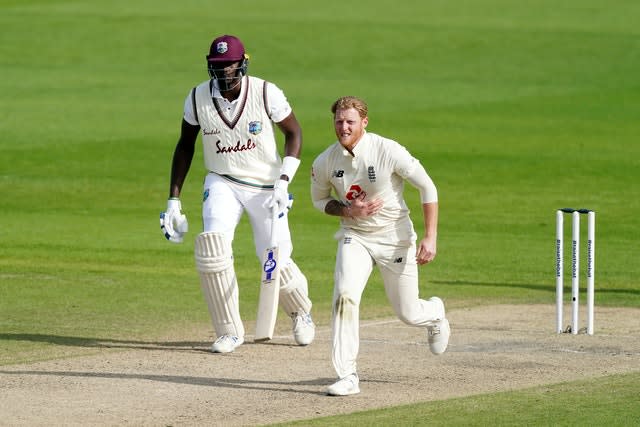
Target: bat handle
(274, 235)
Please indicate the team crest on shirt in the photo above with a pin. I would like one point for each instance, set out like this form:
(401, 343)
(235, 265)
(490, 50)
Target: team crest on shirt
(372, 174)
(255, 127)
(354, 192)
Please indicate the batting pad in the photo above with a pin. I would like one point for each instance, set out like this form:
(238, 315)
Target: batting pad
(294, 291)
(214, 261)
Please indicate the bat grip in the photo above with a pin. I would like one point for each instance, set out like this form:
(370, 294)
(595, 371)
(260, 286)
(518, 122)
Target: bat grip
(274, 235)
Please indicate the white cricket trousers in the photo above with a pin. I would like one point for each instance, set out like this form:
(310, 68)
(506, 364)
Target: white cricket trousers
(223, 205)
(356, 256)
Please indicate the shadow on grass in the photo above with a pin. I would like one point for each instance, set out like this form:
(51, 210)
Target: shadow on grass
(232, 383)
(545, 288)
(106, 342)
(199, 346)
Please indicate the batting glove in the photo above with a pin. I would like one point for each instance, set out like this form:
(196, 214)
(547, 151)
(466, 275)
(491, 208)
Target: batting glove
(281, 199)
(173, 223)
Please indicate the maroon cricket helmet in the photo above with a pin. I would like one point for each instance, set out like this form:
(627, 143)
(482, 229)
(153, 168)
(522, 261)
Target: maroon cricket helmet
(226, 49)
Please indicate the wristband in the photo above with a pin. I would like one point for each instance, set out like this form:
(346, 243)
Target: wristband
(173, 204)
(289, 167)
(281, 183)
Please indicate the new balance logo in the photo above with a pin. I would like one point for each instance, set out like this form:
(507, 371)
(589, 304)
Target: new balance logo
(397, 260)
(337, 174)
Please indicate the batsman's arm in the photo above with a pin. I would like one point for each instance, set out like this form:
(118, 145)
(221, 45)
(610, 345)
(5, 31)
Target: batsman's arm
(182, 157)
(292, 132)
(281, 200)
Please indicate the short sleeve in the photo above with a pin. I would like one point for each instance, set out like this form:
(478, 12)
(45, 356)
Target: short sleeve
(278, 107)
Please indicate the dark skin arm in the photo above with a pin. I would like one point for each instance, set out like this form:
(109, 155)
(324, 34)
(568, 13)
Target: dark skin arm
(182, 157)
(292, 138)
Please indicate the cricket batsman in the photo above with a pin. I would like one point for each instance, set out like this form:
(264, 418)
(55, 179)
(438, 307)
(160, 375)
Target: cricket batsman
(236, 114)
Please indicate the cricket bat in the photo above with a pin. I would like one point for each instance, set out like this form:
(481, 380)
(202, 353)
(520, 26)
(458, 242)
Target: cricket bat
(269, 290)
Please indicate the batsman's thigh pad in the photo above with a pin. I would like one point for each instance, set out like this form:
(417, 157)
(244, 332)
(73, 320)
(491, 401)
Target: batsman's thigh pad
(294, 290)
(214, 261)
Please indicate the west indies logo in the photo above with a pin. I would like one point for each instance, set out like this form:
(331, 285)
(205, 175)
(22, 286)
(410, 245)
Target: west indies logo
(255, 128)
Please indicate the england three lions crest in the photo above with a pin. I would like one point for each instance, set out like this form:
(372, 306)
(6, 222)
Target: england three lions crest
(255, 127)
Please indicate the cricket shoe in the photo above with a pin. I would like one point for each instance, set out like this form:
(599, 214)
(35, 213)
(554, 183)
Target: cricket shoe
(226, 344)
(438, 331)
(345, 386)
(304, 330)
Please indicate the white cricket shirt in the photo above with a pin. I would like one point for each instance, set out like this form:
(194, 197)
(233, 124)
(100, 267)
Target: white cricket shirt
(378, 168)
(238, 137)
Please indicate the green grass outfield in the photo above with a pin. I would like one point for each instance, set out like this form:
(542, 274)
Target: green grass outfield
(605, 401)
(514, 108)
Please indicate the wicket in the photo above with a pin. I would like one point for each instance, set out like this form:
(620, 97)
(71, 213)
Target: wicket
(575, 268)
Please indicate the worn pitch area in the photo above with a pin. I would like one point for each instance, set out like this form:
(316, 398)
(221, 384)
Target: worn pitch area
(179, 382)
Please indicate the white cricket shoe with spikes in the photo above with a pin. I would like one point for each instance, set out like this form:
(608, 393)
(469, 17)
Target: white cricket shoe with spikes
(345, 386)
(304, 330)
(226, 344)
(439, 331)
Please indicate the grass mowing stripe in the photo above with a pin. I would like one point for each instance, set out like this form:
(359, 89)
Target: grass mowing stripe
(610, 400)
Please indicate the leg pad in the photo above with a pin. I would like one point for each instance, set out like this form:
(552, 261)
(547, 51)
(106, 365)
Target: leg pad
(214, 262)
(294, 297)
